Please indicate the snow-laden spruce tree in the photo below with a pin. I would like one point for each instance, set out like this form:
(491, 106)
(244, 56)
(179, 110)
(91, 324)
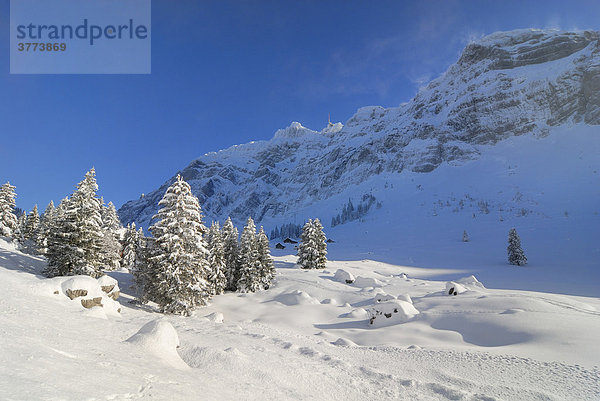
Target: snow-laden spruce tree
(19, 231)
(144, 278)
(307, 247)
(216, 260)
(46, 221)
(312, 250)
(516, 256)
(321, 241)
(231, 252)
(465, 237)
(31, 224)
(111, 246)
(179, 262)
(249, 262)
(130, 245)
(75, 243)
(267, 269)
(8, 219)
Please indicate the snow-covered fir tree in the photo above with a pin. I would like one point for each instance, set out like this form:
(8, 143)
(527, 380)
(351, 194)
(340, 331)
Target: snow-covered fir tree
(249, 261)
(31, 224)
(267, 269)
(231, 252)
(75, 243)
(516, 256)
(8, 219)
(465, 237)
(46, 221)
(216, 260)
(321, 241)
(180, 259)
(144, 279)
(111, 246)
(307, 247)
(130, 245)
(312, 250)
(19, 231)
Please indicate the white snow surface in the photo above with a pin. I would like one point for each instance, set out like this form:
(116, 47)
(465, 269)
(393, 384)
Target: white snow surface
(484, 344)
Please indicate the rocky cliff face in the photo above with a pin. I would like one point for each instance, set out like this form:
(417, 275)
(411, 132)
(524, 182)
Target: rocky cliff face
(506, 84)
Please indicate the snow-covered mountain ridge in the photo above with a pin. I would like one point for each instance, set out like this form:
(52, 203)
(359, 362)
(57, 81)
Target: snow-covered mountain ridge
(506, 84)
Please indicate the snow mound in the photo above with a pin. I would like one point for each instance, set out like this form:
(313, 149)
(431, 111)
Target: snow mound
(405, 297)
(453, 288)
(159, 338)
(392, 312)
(344, 342)
(383, 297)
(8, 244)
(296, 298)
(90, 294)
(358, 313)
(463, 285)
(199, 357)
(80, 284)
(215, 317)
(470, 281)
(106, 281)
(110, 286)
(343, 276)
(363, 282)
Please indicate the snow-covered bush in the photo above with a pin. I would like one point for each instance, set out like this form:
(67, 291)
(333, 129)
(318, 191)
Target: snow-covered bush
(343, 276)
(462, 285)
(391, 312)
(383, 297)
(454, 288)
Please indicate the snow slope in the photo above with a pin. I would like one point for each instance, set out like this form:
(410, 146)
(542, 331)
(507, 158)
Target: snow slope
(305, 338)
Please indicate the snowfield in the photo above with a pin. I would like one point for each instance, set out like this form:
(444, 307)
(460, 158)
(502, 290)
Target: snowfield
(307, 337)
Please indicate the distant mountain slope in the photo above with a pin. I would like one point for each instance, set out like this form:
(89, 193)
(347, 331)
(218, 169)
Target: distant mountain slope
(506, 84)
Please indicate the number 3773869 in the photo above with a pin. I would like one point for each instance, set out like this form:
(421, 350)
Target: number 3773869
(41, 47)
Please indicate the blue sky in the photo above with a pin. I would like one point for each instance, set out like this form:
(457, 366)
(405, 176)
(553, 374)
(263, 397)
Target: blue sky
(225, 73)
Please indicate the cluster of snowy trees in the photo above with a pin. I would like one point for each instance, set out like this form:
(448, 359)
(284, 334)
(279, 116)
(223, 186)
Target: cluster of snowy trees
(80, 236)
(180, 267)
(184, 264)
(289, 230)
(349, 212)
(312, 251)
